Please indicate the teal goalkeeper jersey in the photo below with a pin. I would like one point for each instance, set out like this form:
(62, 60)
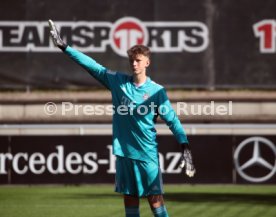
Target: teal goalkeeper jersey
(135, 110)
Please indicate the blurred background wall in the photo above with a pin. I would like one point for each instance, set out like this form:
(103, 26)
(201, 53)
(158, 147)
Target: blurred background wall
(209, 44)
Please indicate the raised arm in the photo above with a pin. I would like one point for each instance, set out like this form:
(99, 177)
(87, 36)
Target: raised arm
(98, 71)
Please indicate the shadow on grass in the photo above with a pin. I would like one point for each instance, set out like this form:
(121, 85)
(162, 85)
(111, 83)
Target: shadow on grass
(264, 199)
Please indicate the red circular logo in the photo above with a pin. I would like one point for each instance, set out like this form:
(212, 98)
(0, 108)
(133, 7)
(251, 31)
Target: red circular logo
(127, 32)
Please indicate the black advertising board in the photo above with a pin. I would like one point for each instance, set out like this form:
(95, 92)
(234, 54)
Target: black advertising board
(195, 44)
(89, 159)
(4, 148)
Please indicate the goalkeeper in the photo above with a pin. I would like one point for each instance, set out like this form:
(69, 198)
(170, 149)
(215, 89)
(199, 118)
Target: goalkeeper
(134, 136)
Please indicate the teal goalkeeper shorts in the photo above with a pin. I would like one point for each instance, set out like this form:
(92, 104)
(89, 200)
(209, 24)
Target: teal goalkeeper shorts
(138, 178)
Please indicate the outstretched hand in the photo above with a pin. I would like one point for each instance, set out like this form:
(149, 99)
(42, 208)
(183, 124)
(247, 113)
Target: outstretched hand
(56, 36)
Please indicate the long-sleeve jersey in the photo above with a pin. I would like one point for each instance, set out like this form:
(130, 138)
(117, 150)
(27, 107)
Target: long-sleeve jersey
(135, 110)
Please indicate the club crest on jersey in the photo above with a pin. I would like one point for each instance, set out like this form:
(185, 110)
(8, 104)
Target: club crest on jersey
(145, 96)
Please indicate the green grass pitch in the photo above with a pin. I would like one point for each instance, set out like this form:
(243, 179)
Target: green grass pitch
(101, 201)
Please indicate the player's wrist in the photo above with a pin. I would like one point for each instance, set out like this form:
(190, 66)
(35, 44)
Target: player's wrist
(62, 46)
(185, 146)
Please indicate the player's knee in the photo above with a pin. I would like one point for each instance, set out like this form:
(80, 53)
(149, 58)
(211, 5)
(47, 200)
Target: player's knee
(156, 201)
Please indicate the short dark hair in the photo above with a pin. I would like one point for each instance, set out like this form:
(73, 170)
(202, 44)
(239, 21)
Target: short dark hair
(137, 50)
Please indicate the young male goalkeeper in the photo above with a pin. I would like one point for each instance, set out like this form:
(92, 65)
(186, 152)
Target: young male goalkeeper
(134, 136)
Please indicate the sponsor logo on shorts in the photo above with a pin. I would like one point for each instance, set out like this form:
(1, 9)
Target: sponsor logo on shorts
(155, 188)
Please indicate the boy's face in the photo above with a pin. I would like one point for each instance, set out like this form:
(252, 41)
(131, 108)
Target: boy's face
(139, 63)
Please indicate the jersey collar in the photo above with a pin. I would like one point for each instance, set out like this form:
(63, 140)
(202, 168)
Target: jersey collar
(148, 80)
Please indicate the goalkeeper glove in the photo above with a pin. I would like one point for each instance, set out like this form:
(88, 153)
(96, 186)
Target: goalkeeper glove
(56, 37)
(187, 161)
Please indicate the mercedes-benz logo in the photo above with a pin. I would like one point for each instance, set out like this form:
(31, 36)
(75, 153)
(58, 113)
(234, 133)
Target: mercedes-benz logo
(256, 158)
